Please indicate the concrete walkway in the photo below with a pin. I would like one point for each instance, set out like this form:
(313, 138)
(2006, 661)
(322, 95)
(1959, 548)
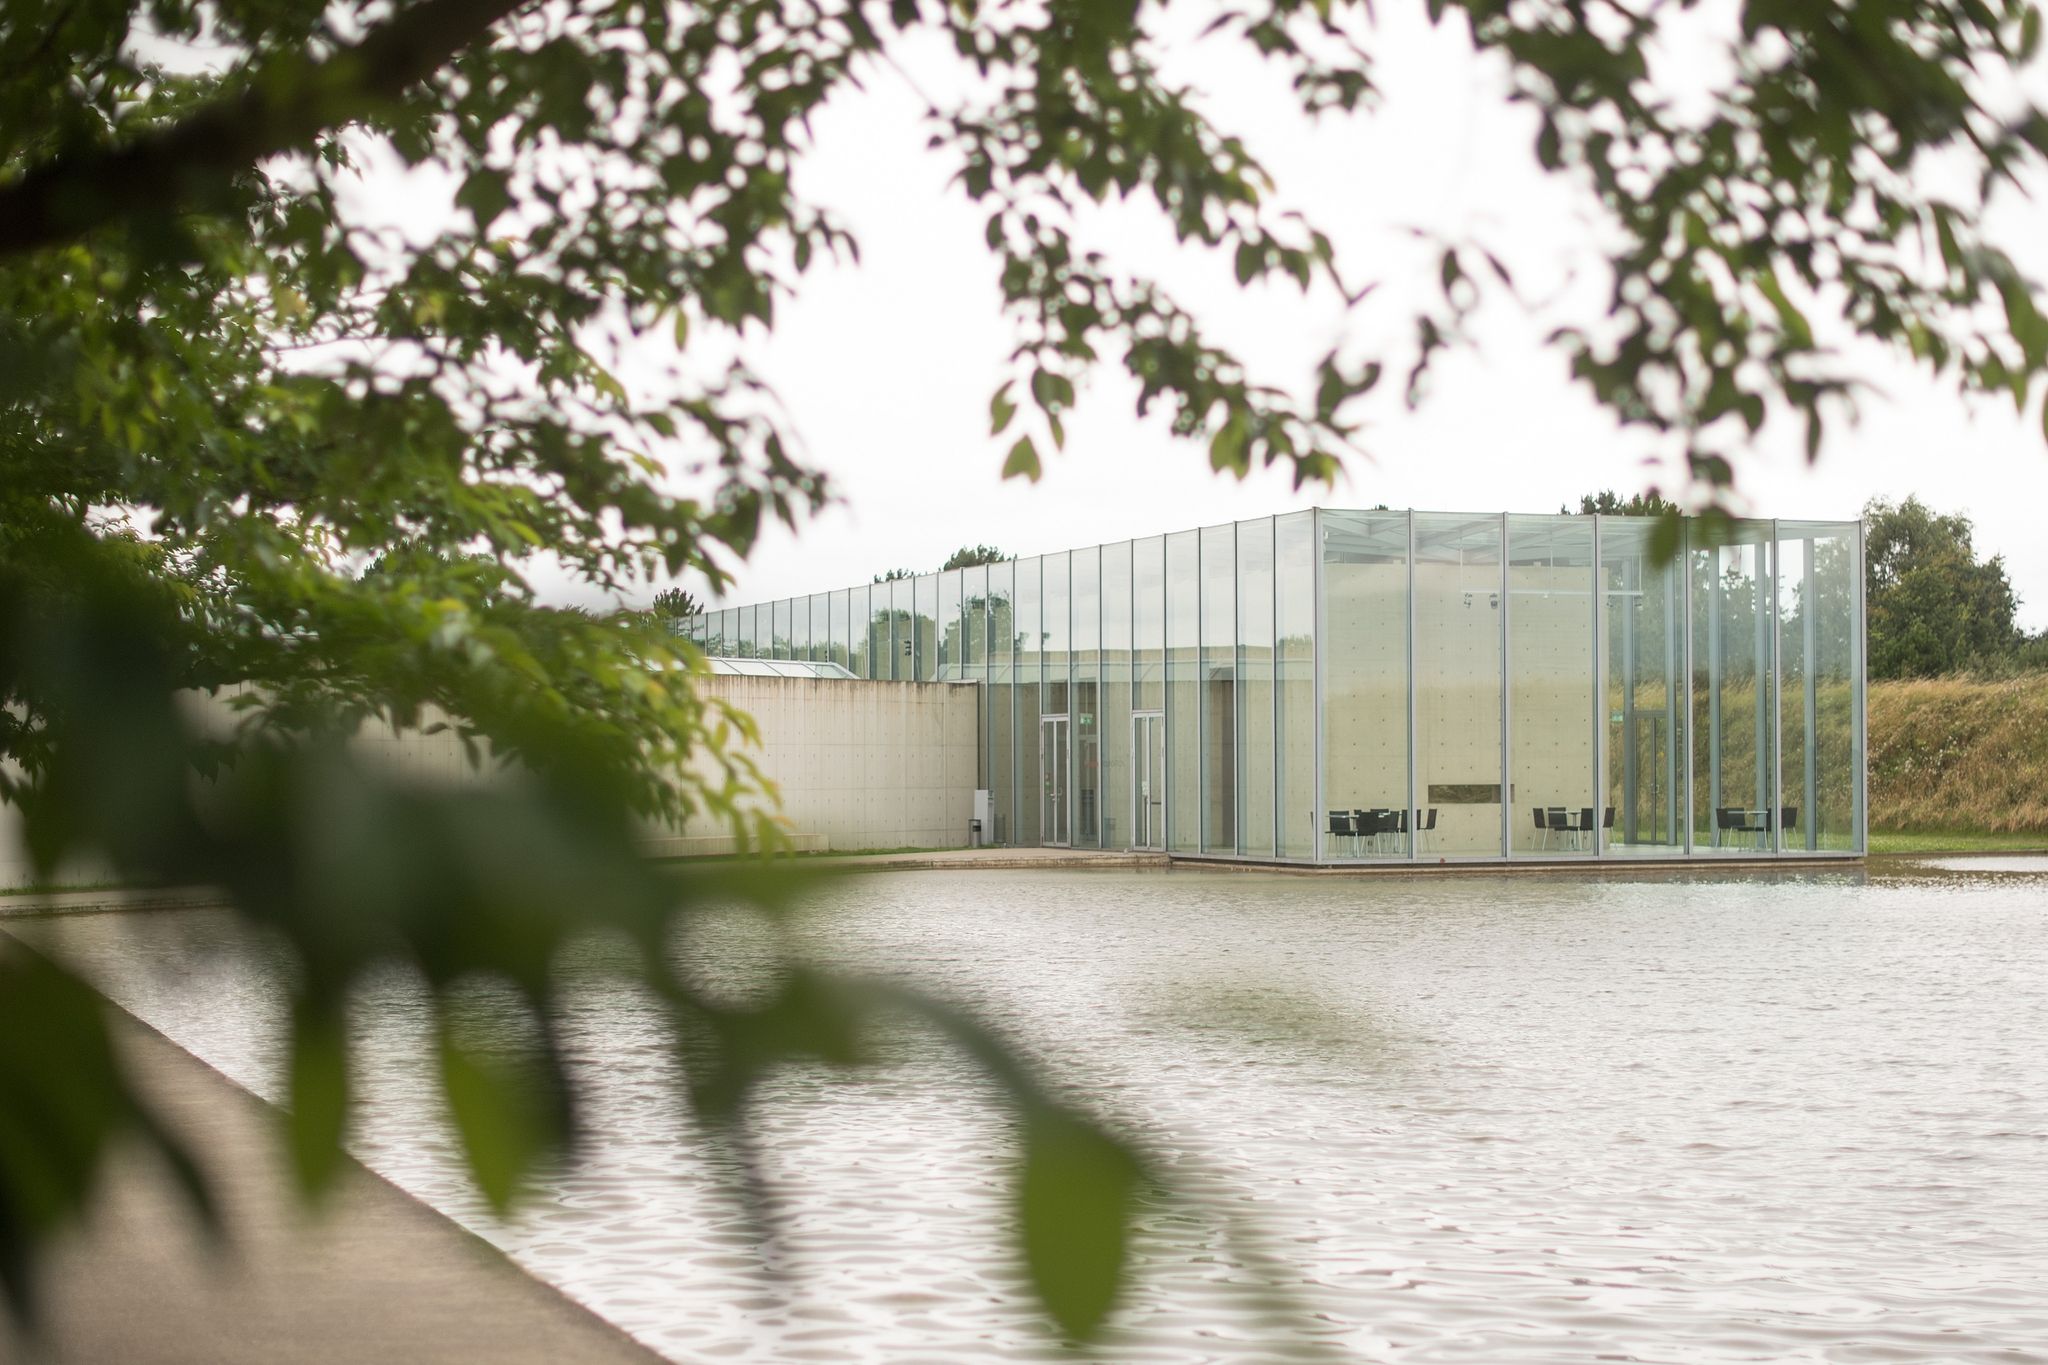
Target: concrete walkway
(97, 899)
(377, 1277)
(983, 858)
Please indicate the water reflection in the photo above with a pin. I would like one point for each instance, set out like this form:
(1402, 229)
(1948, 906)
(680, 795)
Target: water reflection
(1481, 1118)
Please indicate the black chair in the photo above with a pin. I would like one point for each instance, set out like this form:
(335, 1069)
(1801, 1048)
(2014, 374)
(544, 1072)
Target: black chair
(1429, 828)
(1585, 829)
(1790, 818)
(1727, 820)
(1340, 825)
(1542, 825)
(1378, 823)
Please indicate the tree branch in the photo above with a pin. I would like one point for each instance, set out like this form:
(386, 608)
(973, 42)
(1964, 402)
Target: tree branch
(285, 105)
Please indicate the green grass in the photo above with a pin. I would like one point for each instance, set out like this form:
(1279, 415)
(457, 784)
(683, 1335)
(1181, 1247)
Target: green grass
(1958, 841)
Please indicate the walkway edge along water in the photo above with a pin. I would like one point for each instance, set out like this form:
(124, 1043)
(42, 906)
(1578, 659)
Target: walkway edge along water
(375, 1276)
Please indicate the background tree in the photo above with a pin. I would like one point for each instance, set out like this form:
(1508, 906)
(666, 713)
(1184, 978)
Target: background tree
(221, 396)
(968, 556)
(1608, 503)
(894, 575)
(1934, 607)
(674, 605)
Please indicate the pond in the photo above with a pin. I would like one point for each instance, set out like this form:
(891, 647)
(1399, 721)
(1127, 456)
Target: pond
(1699, 1118)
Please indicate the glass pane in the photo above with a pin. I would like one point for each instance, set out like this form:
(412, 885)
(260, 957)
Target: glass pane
(1818, 657)
(1255, 687)
(1054, 642)
(902, 645)
(881, 635)
(1365, 688)
(1295, 692)
(1458, 682)
(952, 637)
(778, 639)
(1732, 704)
(1030, 659)
(1086, 574)
(1550, 685)
(1116, 695)
(744, 632)
(1002, 699)
(924, 660)
(1183, 691)
(821, 628)
(1219, 689)
(974, 620)
(800, 628)
(1148, 623)
(1643, 663)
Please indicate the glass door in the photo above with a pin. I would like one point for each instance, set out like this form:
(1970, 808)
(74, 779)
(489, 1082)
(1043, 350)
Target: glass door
(1148, 780)
(1052, 765)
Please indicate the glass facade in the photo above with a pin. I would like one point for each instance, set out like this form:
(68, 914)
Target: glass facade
(1373, 686)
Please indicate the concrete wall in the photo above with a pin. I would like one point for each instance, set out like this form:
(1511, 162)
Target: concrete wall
(858, 765)
(865, 764)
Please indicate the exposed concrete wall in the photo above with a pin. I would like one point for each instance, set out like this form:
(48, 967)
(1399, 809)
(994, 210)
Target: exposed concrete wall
(858, 764)
(866, 764)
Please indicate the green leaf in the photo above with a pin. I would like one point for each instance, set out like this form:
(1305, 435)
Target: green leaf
(1797, 330)
(1075, 1196)
(1227, 446)
(486, 194)
(1000, 410)
(1023, 459)
(502, 1112)
(319, 1093)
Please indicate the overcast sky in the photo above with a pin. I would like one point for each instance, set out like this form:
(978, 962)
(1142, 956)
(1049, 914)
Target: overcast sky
(886, 368)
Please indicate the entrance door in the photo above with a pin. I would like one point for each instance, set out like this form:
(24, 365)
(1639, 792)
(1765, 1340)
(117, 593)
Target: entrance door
(1148, 780)
(1052, 764)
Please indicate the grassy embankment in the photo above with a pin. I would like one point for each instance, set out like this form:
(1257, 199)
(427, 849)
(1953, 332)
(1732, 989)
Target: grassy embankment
(1956, 764)
(1959, 764)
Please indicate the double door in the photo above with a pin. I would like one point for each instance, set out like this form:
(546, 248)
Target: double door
(1148, 780)
(1054, 774)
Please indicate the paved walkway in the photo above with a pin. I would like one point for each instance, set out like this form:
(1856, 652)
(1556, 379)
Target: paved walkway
(109, 898)
(984, 858)
(377, 1277)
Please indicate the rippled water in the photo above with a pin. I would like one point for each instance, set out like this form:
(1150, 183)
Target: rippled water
(1477, 1119)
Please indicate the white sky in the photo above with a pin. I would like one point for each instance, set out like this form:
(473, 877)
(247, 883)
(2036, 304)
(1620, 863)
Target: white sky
(886, 368)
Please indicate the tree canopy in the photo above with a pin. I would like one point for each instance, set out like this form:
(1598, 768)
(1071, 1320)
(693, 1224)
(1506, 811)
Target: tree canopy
(968, 556)
(1933, 606)
(1609, 503)
(224, 394)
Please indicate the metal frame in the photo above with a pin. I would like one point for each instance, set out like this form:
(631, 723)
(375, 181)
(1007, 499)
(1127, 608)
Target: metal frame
(1415, 805)
(1599, 695)
(1778, 702)
(1683, 579)
(1507, 748)
(1318, 809)
(1860, 624)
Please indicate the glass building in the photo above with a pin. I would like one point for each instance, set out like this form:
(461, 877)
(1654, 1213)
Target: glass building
(1349, 687)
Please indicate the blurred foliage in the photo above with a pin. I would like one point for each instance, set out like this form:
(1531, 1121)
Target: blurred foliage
(250, 441)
